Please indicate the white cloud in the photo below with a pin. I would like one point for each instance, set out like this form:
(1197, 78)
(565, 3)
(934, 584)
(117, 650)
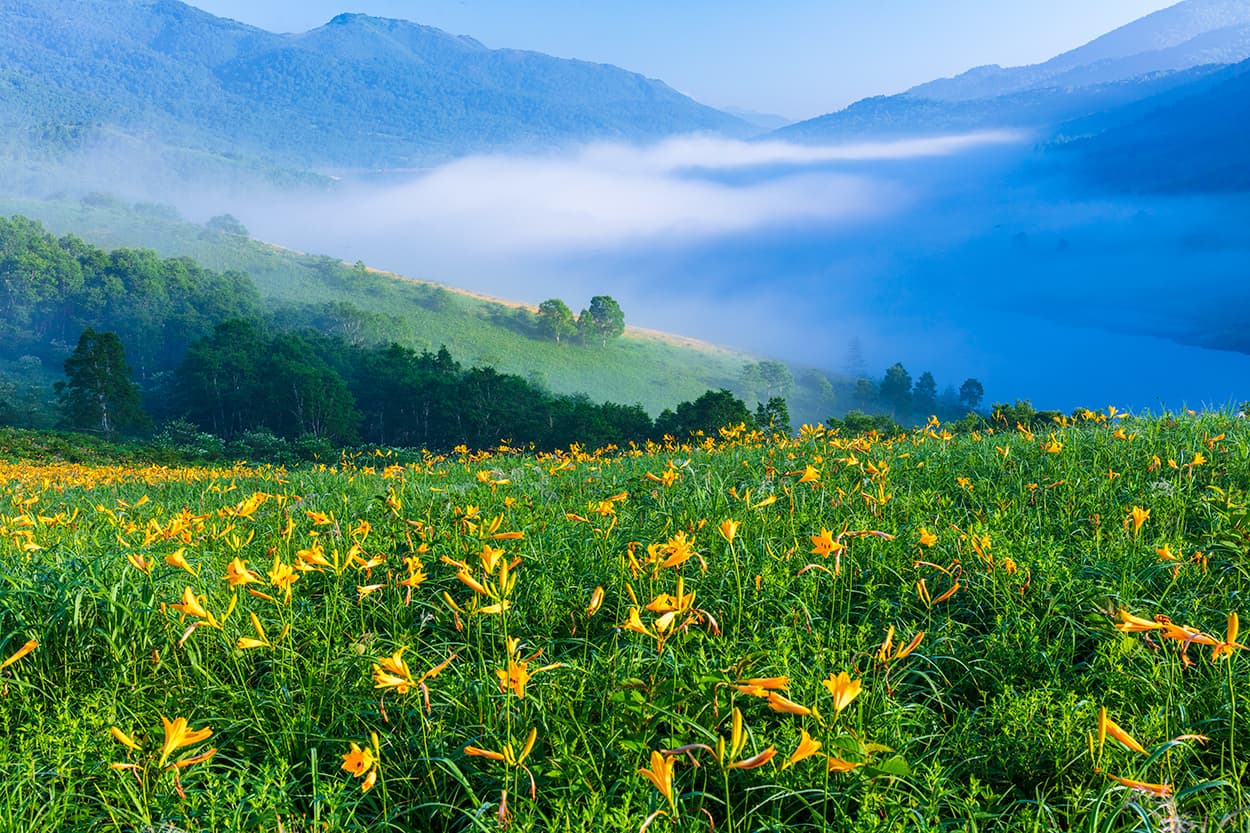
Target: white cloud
(611, 195)
(713, 153)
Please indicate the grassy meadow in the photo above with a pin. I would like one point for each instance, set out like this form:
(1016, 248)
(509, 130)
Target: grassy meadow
(1003, 630)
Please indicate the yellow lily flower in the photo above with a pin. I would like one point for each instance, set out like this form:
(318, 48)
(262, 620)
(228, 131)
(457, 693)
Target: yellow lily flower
(237, 573)
(596, 601)
(178, 558)
(178, 734)
(1159, 790)
(843, 689)
(246, 643)
(806, 749)
(1107, 726)
(778, 703)
(124, 739)
(1135, 624)
(358, 760)
(660, 774)
(840, 765)
(1225, 649)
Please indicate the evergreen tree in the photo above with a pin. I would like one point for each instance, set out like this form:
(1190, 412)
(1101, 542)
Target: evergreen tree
(896, 390)
(856, 367)
(971, 392)
(711, 411)
(924, 395)
(98, 394)
(773, 416)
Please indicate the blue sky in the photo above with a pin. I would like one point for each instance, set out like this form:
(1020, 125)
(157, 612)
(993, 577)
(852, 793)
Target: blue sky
(799, 58)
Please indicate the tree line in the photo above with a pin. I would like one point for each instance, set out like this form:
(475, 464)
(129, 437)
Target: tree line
(51, 289)
(163, 340)
(244, 379)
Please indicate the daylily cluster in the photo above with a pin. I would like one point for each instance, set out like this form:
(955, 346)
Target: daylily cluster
(674, 612)
(178, 734)
(392, 673)
(1221, 649)
(494, 583)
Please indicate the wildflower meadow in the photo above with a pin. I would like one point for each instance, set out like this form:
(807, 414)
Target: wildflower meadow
(1019, 628)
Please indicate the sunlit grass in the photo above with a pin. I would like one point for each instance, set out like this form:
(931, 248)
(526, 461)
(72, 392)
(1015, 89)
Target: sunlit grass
(1009, 630)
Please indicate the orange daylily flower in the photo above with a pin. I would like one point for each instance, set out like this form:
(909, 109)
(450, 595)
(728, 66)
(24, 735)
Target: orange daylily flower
(761, 686)
(19, 653)
(755, 761)
(1136, 624)
(124, 739)
(178, 558)
(660, 774)
(843, 689)
(1160, 790)
(596, 601)
(515, 677)
(506, 754)
(779, 703)
(1186, 634)
(1107, 726)
(839, 765)
(884, 654)
(806, 749)
(477, 752)
(1226, 648)
(825, 545)
(358, 760)
(393, 672)
(247, 643)
(238, 574)
(363, 761)
(179, 734)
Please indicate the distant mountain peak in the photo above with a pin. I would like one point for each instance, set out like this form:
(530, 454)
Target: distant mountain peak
(1188, 34)
(1163, 51)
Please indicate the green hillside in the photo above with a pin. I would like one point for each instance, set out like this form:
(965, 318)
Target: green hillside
(360, 304)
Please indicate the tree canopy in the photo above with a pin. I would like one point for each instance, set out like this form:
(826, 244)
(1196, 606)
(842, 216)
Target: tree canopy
(604, 319)
(99, 395)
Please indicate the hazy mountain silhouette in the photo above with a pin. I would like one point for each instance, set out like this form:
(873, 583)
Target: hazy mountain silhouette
(358, 91)
(1151, 56)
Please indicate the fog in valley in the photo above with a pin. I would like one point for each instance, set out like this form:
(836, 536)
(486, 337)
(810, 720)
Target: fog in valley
(979, 255)
(975, 255)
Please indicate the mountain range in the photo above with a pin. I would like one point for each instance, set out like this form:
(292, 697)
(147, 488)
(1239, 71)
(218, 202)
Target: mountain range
(358, 92)
(363, 93)
(1160, 104)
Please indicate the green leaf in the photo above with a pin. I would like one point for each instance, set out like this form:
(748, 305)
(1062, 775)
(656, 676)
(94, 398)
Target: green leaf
(895, 767)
